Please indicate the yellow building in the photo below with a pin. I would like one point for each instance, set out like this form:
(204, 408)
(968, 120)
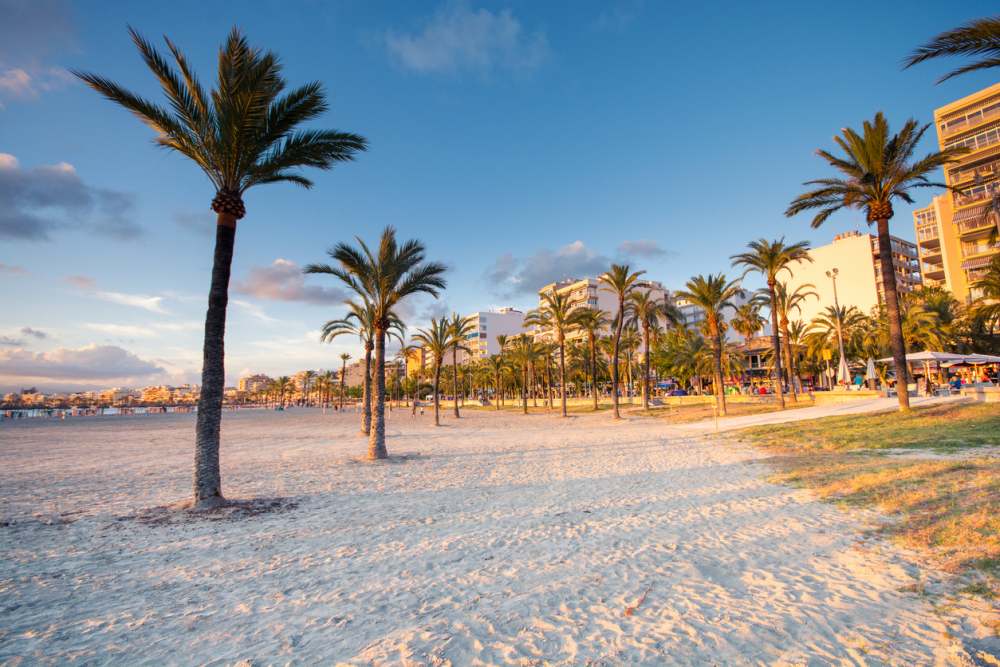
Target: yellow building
(953, 231)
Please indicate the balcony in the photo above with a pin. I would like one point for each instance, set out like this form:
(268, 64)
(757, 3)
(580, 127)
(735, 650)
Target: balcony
(980, 171)
(970, 120)
(976, 193)
(928, 233)
(932, 270)
(978, 141)
(977, 249)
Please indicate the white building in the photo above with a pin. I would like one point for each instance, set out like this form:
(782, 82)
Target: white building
(487, 325)
(859, 282)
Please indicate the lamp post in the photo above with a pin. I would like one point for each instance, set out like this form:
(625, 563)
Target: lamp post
(832, 275)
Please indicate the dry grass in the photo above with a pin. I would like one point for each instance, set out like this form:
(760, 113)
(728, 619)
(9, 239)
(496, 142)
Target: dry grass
(682, 414)
(943, 494)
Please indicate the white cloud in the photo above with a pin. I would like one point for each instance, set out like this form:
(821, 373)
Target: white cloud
(253, 310)
(37, 202)
(121, 330)
(512, 275)
(91, 362)
(283, 281)
(458, 39)
(17, 83)
(151, 303)
(641, 248)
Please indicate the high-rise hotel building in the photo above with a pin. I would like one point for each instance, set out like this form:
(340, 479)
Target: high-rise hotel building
(953, 232)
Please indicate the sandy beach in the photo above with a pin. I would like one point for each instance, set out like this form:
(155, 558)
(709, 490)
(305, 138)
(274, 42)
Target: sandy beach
(497, 539)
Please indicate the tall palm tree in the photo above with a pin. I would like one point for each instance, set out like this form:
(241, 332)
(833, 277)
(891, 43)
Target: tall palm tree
(620, 280)
(646, 313)
(747, 320)
(460, 328)
(877, 169)
(326, 380)
(344, 357)
(713, 294)
(383, 277)
(790, 301)
(771, 259)
(360, 321)
(436, 340)
(241, 134)
(980, 37)
(501, 343)
(495, 365)
(592, 322)
(556, 315)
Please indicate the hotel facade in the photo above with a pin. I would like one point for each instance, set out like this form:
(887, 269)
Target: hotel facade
(855, 255)
(953, 230)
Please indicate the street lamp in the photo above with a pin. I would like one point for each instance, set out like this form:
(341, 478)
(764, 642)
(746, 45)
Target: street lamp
(842, 366)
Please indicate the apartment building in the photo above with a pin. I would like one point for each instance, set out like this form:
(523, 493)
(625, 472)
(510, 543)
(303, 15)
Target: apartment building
(953, 230)
(591, 293)
(856, 257)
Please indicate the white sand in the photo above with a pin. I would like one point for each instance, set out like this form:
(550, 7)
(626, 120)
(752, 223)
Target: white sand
(503, 539)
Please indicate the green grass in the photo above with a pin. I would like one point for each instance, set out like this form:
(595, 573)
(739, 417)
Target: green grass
(946, 504)
(941, 428)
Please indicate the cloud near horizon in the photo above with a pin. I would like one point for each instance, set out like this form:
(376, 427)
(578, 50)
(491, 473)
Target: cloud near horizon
(30, 33)
(38, 202)
(87, 363)
(283, 280)
(511, 276)
(457, 39)
(641, 248)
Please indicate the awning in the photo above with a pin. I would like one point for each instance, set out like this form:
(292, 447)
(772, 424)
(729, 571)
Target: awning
(973, 213)
(977, 262)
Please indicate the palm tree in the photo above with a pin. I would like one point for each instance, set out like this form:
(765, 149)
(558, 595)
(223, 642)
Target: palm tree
(619, 280)
(770, 259)
(383, 278)
(307, 380)
(243, 133)
(501, 343)
(878, 169)
(747, 320)
(980, 37)
(344, 356)
(495, 365)
(523, 354)
(788, 302)
(593, 322)
(557, 315)
(987, 308)
(713, 294)
(436, 340)
(460, 328)
(646, 312)
(360, 321)
(326, 380)
(282, 386)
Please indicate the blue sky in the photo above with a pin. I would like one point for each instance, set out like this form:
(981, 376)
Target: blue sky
(521, 141)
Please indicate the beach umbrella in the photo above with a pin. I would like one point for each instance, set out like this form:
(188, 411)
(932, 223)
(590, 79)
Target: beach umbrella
(870, 370)
(843, 372)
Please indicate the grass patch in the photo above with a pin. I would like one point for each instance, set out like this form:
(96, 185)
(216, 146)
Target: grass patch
(946, 505)
(942, 428)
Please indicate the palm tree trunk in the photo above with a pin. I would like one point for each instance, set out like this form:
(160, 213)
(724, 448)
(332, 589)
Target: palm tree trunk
(366, 393)
(593, 368)
(454, 379)
(343, 377)
(776, 345)
(645, 368)
(562, 374)
(437, 397)
(524, 390)
(788, 360)
(614, 360)
(207, 474)
(548, 381)
(499, 395)
(720, 389)
(892, 310)
(376, 439)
